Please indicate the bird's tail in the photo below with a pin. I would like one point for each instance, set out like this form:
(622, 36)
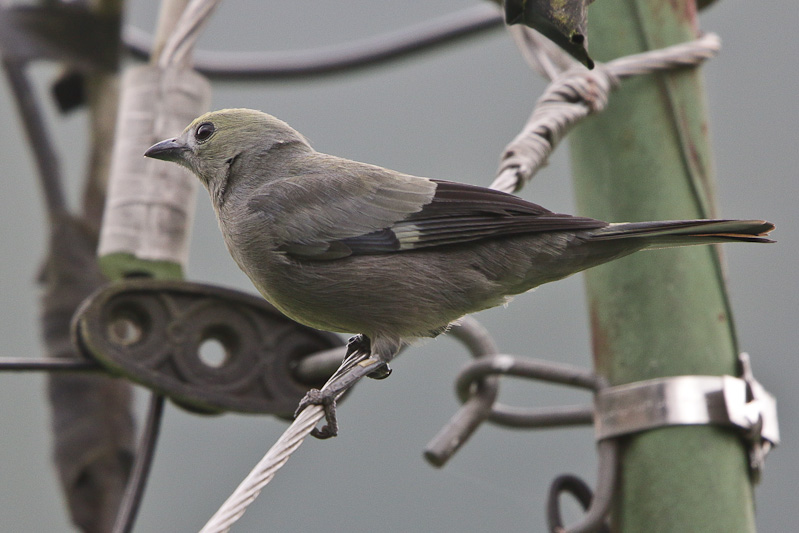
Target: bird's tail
(670, 233)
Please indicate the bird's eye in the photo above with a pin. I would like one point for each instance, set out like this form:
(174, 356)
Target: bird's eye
(204, 131)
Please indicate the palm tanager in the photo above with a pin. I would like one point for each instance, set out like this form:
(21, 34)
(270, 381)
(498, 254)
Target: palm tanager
(345, 246)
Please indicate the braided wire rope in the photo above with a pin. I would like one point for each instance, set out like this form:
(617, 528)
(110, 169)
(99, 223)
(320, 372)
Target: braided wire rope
(575, 93)
(291, 439)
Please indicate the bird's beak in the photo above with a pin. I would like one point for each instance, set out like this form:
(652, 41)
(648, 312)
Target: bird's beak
(168, 150)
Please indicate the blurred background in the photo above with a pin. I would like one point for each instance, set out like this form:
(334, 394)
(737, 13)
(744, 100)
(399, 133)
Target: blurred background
(445, 114)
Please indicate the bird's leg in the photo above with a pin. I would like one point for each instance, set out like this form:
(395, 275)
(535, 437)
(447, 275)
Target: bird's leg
(357, 363)
(358, 343)
(362, 343)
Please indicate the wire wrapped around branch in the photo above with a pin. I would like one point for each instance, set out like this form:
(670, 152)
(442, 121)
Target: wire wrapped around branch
(576, 93)
(567, 101)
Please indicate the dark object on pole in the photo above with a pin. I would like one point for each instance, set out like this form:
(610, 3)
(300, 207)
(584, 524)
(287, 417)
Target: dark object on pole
(565, 23)
(92, 425)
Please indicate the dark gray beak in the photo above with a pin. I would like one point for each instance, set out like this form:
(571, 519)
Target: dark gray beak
(168, 150)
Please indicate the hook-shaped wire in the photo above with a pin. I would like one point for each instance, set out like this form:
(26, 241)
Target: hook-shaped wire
(477, 386)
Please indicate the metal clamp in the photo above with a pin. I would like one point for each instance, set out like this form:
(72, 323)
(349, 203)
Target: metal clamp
(154, 332)
(756, 413)
(687, 400)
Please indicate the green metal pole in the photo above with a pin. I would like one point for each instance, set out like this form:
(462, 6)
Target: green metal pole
(664, 312)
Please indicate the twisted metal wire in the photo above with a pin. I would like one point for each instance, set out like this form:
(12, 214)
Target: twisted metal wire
(469, 332)
(575, 93)
(597, 504)
(478, 407)
(235, 506)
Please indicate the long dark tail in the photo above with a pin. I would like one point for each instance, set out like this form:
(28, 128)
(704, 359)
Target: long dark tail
(670, 233)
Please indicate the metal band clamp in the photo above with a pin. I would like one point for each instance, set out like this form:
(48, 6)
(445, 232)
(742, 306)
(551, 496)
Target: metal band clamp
(740, 402)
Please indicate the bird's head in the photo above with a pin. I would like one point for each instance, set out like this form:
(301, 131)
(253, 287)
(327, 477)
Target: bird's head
(213, 142)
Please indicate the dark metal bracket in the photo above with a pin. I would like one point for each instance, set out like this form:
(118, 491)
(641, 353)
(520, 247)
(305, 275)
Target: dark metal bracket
(153, 332)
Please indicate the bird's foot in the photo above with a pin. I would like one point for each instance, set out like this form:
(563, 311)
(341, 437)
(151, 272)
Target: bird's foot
(327, 400)
(350, 372)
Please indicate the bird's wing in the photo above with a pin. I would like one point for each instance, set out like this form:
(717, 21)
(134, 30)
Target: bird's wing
(309, 212)
(387, 213)
(461, 213)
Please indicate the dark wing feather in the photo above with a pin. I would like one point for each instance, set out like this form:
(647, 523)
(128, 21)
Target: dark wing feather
(452, 197)
(460, 213)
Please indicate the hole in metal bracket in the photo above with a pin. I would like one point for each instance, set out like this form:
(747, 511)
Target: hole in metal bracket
(218, 346)
(128, 325)
(213, 353)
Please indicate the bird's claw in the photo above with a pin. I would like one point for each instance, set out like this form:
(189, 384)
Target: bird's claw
(357, 364)
(327, 400)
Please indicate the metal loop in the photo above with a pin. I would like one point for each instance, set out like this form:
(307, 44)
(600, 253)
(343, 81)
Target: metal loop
(477, 387)
(533, 369)
(581, 492)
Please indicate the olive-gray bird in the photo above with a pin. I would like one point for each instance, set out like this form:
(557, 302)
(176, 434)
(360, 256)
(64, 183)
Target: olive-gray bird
(345, 246)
